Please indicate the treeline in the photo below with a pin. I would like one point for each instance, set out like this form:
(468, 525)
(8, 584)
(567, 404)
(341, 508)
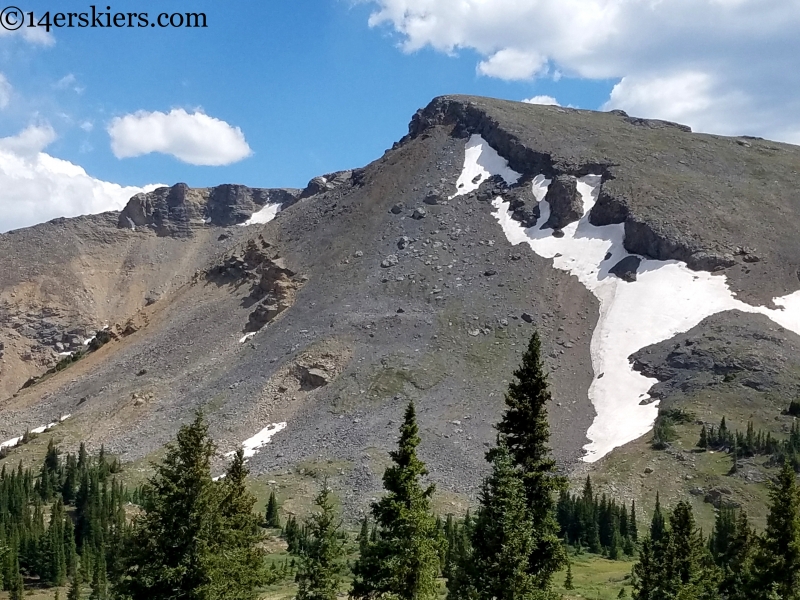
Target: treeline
(191, 537)
(597, 524)
(67, 520)
(753, 443)
(735, 563)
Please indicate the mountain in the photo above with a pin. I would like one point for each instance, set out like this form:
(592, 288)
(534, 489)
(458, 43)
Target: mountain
(658, 265)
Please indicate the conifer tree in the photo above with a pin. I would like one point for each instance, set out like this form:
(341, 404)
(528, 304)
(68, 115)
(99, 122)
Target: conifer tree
(777, 560)
(503, 538)
(74, 592)
(658, 525)
(703, 442)
(238, 568)
(321, 567)
(168, 549)
(403, 561)
(633, 528)
(272, 516)
(527, 433)
(568, 583)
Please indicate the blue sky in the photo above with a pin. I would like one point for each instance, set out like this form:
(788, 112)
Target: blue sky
(318, 86)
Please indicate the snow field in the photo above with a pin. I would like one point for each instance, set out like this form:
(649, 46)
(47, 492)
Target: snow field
(666, 299)
(265, 215)
(252, 445)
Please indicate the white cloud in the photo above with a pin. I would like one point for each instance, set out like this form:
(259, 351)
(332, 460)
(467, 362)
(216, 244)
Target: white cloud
(510, 64)
(30, 141)
(32, 35)
(69, 82)
(546, 100)
(37, 187)
(727, 66)
(193, 138)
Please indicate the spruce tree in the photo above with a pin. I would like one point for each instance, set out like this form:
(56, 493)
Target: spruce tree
(503, 539)
(688, 560)
(172, 541)
(322, 564)
(527, 433)
(272, 516)
(403, 561)
(237, 568)
(568, 583)
(703, 442)
(74, 592)
(777, 560)
(633, 527)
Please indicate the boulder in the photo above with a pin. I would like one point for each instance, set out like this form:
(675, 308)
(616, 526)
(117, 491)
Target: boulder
(566, 204)
(626, 268)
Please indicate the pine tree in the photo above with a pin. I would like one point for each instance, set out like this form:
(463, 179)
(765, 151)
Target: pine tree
(777, 560)
(171, 539)
(99, 587)
(321, 568)
(633, 528)
(272, 517)
(703, 443)
(503, 539)
(403, 561)
(74, 592)
(527, 433)
(688, 559)
(238, 568)
(658, 525)
(568, 583)
(646, 573)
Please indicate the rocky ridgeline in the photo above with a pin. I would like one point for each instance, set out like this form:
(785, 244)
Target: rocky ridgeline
(176, 211)
(620, 199)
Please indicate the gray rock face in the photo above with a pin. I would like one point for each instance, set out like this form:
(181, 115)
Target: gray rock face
(626, 268)
(566, 205)
(735, 349)
(681, 196)
(178, 210)
(522, 204)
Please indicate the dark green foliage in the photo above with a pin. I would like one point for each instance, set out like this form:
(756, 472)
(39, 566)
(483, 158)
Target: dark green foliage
(677, 564)
(272, 517)
(503, 539)
(703, 442)
(403, 560)
(526, 432)
(322, 564)
(777, 560)
(568, 583)
(598, 525)
(74, 592)
(196, 538)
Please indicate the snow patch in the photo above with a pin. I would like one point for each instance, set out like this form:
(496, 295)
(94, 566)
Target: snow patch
(265, 215)
(252, 445)
(246, 337)
(667, 298)
(131, 224)
(41, 429)
(481, 161)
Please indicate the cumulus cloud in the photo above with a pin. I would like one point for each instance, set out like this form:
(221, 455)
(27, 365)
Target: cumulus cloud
(193, 138)
(727, 66)
(37, 187)
(546, 100)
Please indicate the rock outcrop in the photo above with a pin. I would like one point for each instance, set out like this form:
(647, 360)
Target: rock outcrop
(177, 210)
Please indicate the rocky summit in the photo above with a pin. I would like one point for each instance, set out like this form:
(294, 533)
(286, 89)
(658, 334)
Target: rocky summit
(659, 266)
